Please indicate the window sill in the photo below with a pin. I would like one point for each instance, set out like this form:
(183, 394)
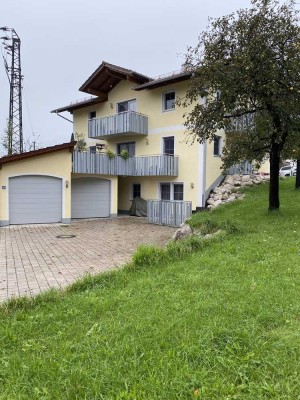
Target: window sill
(170, 110)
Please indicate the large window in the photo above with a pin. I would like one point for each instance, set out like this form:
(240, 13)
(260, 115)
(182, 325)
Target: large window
(168, 101)
(130, 147)
(171, 191)
(168, 145)
(217, 145)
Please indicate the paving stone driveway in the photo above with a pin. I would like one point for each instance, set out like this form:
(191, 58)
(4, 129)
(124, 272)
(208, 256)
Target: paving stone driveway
(33, 259)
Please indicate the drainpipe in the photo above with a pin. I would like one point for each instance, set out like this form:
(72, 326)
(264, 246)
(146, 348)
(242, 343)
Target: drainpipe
(63, 117)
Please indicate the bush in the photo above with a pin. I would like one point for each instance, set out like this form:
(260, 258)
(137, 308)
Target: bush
(124, 154)
(110, 154)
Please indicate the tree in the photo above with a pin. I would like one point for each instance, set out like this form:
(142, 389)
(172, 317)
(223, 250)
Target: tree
(5, 140)
(29, 144)
(247, 67)
(292, 151)
(81, 144)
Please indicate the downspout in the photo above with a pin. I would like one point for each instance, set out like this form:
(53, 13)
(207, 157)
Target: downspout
(202, 174)
(63, 117)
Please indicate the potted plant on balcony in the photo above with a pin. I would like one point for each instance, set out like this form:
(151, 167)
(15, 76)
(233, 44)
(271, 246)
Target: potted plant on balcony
(110, 154)
(124, 154)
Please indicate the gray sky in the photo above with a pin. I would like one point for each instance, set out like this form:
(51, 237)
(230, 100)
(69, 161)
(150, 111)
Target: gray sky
(64, 41)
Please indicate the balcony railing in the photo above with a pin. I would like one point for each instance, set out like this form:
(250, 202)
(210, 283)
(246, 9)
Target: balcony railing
(125, 124)
(154, 165)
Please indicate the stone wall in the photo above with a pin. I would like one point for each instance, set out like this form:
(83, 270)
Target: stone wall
(229, 189)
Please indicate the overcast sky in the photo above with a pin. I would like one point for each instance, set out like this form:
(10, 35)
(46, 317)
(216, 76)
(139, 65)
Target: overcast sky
(64, 41)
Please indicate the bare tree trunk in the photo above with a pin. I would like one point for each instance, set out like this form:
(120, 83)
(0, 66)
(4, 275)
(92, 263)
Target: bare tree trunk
(274, 178)
(297, 185)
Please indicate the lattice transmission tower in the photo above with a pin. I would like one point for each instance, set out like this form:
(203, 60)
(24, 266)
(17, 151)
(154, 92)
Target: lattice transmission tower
(11, 52)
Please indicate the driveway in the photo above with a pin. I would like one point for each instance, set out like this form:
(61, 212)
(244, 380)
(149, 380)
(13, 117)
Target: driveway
(34, 258)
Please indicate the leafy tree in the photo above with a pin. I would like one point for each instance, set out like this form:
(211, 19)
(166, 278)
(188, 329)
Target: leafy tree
(292, 150)
(247, 67)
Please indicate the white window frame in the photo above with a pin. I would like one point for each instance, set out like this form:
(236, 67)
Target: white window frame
(220, 145)
(163, 101)
(162, 146)
(125, 101)
(171, 190)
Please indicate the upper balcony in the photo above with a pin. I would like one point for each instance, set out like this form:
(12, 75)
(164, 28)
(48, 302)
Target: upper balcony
(126, 123)
(152, 165)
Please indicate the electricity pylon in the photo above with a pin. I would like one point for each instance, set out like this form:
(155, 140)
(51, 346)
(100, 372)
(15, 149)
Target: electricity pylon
(11, 52)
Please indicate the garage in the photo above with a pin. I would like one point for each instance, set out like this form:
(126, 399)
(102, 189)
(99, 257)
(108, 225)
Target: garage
(90, 198)
(35, 199)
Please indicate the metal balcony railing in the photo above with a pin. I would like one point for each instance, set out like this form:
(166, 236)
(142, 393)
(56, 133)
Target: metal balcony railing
(152, 165)
(125, 123)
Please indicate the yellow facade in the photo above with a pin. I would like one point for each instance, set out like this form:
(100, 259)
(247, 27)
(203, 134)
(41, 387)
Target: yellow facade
(197, 171)
(57, 164)
(198, 167)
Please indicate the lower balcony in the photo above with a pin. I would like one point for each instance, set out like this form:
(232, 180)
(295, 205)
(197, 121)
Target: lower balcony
(123, 124)
(153, 165)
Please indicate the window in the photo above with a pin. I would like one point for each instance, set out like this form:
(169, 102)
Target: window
(165, 191)
(92, 114)
(178, 191)
(129, 105)
(168, 145)
(136, 190)
(130, 147)
(97, 148)
(171, 191)
(168, 101)
(217, 145)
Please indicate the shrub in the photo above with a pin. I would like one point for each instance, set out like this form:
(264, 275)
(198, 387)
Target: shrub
(124, 154)
(110, 154)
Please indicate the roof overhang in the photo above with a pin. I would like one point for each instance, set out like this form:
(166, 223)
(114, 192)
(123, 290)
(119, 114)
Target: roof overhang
(17, 157)
(178, 77)
(80, 104)
(107, 76)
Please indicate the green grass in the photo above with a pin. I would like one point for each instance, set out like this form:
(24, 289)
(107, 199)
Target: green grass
(203, 319)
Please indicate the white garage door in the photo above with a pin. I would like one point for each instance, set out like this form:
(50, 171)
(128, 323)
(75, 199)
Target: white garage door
(35, 199)
(90, 198)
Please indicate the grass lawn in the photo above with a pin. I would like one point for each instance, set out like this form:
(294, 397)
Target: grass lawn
(219, 322)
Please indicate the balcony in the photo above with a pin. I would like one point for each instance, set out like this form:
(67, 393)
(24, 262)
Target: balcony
(154, 165)
(123, 124)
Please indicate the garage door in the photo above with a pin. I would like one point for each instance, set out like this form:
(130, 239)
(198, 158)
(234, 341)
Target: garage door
(35, 199)
(90, 198)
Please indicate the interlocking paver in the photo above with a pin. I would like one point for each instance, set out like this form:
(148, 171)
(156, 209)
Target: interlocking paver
(33, 259)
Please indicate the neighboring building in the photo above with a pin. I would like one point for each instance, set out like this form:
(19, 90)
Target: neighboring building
(132, 115)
